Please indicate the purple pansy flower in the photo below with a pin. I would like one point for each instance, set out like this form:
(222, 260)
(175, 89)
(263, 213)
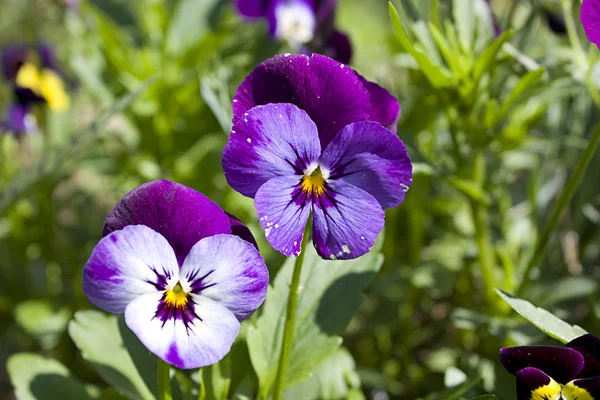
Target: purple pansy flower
(308, 136)
(170, 262)
(306, 24)
(549, 372)
(590, 19)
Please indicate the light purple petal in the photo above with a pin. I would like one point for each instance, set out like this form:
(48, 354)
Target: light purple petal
(126, 264)
(269, 141)
(561, 363)
(19, 120)
(283, 210)
(328, 91)
(346, 221)
(533, 384)
(181, 214)
(385, 107)
(369, 156)
(229, 271)
(252, 9)
(202, 340)
(239, 229)
(590, 19)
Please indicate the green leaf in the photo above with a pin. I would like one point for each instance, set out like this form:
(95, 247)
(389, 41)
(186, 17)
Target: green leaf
(486, 397)
(487, 58)
(42, 321)
(544, 320)
(38, 378)
(470, 189)
(189, 24)
(335, 378)
(437, 75)
(115, 353)
(330, 294)
(464, 19)
(527, 82)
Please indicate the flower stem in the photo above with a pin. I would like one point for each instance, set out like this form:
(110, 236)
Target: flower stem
(164, 381)
(483, 238)
(290, 318)
(561, 205)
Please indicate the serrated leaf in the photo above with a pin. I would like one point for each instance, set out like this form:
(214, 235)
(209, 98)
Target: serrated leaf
(487, 58)
(330, 294)
(115, 353)
(38, 378)
(543, 319)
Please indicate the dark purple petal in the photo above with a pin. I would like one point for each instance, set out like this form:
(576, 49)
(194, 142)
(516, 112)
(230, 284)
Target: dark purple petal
(228, 270)
(13, 57)
(589, 347)
(328, 91)
(339, 48)
(196, 335)
(556, 22)
(26, 96)
(269, 141)
(533, 384)
(283, 210)
(47, 56)
(239, 229)
(326, 13)
(252, 9)
(386, 109)
(126, 264)
(590, 19)
(181, 214)
(582, 389)
(346, 221)
(369, 156)
(561, 363)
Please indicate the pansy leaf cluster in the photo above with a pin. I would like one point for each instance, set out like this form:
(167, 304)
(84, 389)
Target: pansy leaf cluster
(307, 25)
(556, 373)
(309, 136)
(170, 262)
(33, 82)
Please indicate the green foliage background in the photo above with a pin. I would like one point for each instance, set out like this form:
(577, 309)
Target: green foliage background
(495, 127)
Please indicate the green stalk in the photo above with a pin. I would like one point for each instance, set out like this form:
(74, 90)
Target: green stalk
(483, 237)
(164, 381)
(562, 203)
(567, 8)
(290, 318)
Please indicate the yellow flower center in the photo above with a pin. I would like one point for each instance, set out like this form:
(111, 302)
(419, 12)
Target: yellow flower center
(176, 297)
(45, 83)
(313, 183)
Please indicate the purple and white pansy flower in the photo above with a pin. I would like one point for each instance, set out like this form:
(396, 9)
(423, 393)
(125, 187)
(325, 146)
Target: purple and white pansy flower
(169, 261)
(309, 136)
(307, 25)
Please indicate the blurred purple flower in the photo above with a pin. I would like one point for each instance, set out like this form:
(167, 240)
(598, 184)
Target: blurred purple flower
(170, 262)
(306, 24)
(549, 372)
(32, 84)
(309, 135)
